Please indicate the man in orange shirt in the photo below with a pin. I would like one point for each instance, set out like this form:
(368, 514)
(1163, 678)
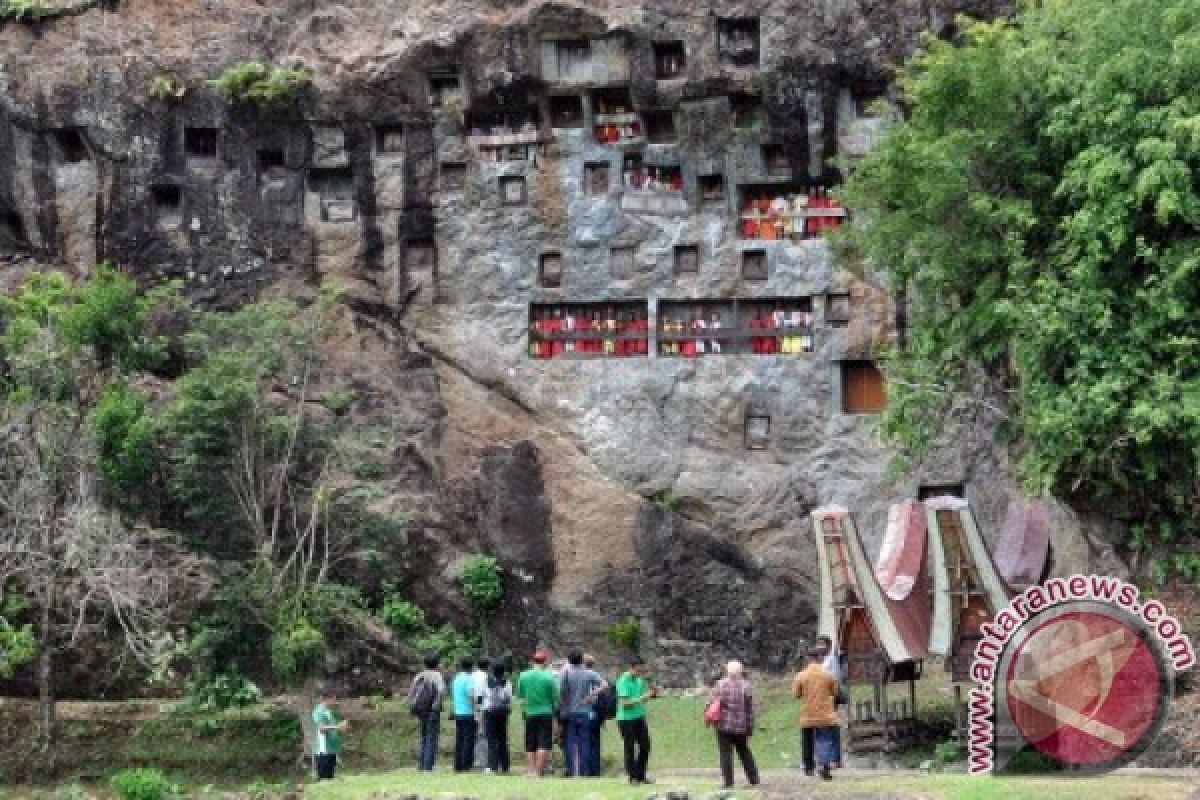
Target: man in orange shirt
(817, 688)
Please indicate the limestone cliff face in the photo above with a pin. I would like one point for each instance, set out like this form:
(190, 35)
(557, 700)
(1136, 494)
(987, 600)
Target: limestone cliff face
(608, 486)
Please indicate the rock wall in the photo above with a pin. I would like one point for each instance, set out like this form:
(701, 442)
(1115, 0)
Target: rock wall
(609, 486)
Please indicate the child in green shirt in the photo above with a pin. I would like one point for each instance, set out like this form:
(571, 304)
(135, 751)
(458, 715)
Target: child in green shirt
(327, 740)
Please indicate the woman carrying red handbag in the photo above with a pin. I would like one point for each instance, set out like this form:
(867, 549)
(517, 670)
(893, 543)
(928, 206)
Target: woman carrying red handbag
(730, 710)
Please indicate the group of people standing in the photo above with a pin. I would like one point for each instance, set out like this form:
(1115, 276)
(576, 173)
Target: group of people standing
(578, 701)
(575, 699)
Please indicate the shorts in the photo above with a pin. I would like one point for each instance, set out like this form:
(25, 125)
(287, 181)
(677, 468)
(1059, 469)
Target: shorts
(539, 732)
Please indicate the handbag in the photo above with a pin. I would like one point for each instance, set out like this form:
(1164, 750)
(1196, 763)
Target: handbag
(712, 712)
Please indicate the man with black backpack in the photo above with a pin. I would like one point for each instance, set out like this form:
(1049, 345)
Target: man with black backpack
(425, 702)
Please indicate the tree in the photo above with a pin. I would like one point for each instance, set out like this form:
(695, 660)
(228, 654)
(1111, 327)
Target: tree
(69, 559)
(1039, 204)
(483, 585)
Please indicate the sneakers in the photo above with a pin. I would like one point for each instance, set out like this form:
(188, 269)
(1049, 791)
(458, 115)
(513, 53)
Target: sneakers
(826, 775)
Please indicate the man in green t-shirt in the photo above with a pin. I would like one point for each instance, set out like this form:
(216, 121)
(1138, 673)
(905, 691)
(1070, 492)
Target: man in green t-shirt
(632, 693)
(538, 692)
(327, 740)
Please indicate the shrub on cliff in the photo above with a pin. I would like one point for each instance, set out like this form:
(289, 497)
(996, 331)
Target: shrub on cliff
(254, 83)
(142, 784)
(1039, 203)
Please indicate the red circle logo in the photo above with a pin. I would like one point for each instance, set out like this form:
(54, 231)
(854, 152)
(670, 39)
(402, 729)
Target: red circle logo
(1084, 688)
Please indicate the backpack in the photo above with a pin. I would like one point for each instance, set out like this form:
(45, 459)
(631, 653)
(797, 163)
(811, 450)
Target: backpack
(423, 698)
(499, 698)
(606, 704)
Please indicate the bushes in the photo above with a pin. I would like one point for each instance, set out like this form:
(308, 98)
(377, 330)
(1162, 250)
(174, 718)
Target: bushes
(142, 784)
(26, 10)
(404, 617)
(255, 83)
(626, 634)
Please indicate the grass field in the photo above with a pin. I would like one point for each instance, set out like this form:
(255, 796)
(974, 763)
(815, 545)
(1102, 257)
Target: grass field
(235, 749)
(892, 786)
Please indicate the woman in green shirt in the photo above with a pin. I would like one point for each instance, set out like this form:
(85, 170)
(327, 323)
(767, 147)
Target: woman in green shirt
(632, 693)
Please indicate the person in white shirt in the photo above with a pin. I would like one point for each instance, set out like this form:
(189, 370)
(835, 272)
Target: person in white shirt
(479, 691)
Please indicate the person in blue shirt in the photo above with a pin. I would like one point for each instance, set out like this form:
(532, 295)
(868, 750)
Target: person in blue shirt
(462, 694)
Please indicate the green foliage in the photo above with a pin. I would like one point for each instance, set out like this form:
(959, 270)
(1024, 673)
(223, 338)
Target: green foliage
(666, 501)
(219, 693)
(29, 10)
(949, 752)
(124, 438)
(142, 784)
(448, 642)
(62, 341)
(18, 645)
(296, 650)
(226, 640)
(404, 617)
(71, 791)
(340, 400)
(166, 88)
(221, 407)
(254, 83)
(626, 634)
(482, 583)
(1040, 205)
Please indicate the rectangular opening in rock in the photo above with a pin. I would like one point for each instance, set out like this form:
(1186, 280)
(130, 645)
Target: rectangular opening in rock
(621, 262)
(660, 127)
(670, 60)
(272, 169)
(573, 60)
(617, 329)
(12, 231)
(168, 206)
(389, 140)
(505, 133)
(775, 160)
(335, 186)
(786, 210)
(452, 176)
(737, 41)
(925, 492)
(512, 190)
(596, 178)
(747, 111)
(200, 144)
(614, 119)
(754, 265)
(778, 325)
(758, 429)
(837, 310)
(612, 100)
(566, 111)
(550, 270)
(635, 175)
(69, 146)
(697, 328)
(687, 259)
(712, 188)
(863, 388)
(444, 87)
